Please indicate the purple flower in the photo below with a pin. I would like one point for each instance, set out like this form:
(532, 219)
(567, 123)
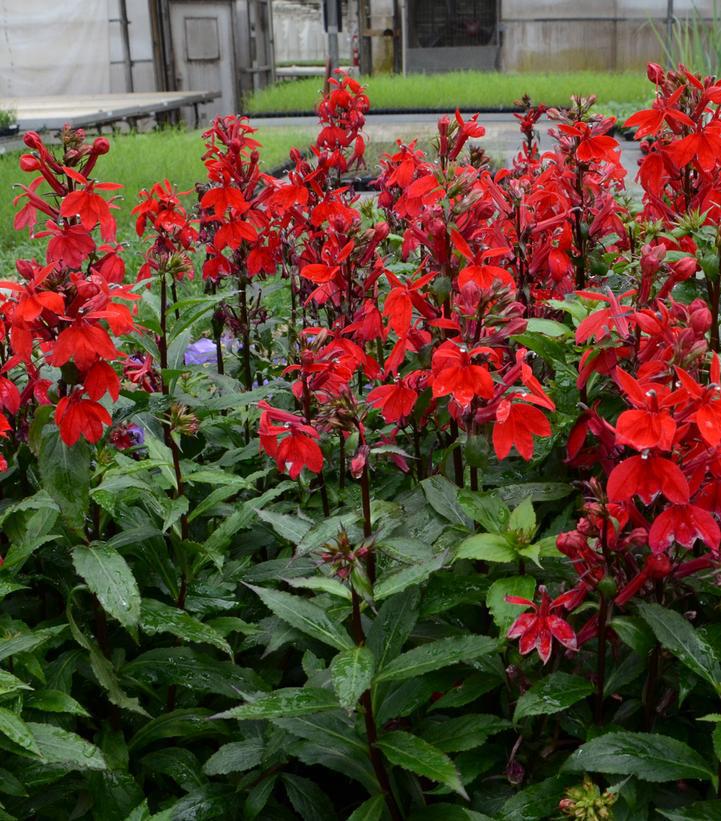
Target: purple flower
(202, 352)
(137, 433)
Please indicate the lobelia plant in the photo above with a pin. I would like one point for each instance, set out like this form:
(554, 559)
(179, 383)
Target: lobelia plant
(402, 508)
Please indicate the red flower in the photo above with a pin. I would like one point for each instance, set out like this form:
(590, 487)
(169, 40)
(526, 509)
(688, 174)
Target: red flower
(78, 417)
(516, 424)
(684, 524)
(90, 207)
(538, 629)
(454, 374)
(296, 449)
(395, 401)
(651, 426)
(83, 343)
(646, 477)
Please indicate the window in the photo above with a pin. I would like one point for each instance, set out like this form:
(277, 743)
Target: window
(449, 23)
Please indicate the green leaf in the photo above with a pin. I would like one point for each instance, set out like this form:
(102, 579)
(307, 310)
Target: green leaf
(442, 496)
(322, 584)
(330, 740)
(58, 746)
(29, 641)
(523, 518)
(421, 758)
(504, 613)
(552, 694)
(437, 654)
(679, 637)
(190, 668)
(304, 616)
(11, 684)
(393, 625)
(158, 617)
(548, 327)
(537, 802)
(54, 701)
(290, 528)
(284, 703)
(307, 799)
(370, 810)
(187, 724)
(535, 491)
(648, 756)
(398, 581)
(14, 728)
(486, 547)
(177, 763)
(65, 474)
(465, 732)
(236, 757)
(351, 672)
(698, 811)
(107, 575)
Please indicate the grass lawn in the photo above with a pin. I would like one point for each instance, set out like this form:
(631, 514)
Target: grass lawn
(465, 89)
(137, 161)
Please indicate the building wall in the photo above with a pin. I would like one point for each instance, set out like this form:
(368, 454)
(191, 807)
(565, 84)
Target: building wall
(141, 47)
(537, 37)
(299, 35)
(50, 47)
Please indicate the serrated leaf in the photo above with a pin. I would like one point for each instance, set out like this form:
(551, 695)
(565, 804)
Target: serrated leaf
(523, 518)
(536, 802)
(442, 496)
(305, 616)
(453, 735)
(290, 528)
(486, 547)
(65, 473)
(307, 799)
(29, 641)
(54, 701)
(14, 728)
(10, 683)
(393, 625)
(398, 581)
(107, 575)
(351, 672)
(58, 746)
(648, 756)
(236, 757)
(435, 655)
(322, 584)
(535, 491)
(158, 617)
(284, 703)
(552, 694)
(421, 758)
(675, 633)
(189, 723)
(698, 811)
(370, 810)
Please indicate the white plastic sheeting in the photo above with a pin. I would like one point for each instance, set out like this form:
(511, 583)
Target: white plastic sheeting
(54, 47)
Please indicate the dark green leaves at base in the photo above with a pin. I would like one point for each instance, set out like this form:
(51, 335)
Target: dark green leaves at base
(286, 703)
(648, 756)
(107, 575)
(551, 695)
(420, 757)
(437, 654)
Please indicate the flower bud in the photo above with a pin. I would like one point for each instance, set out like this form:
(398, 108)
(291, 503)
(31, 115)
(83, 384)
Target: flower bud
(29, 163)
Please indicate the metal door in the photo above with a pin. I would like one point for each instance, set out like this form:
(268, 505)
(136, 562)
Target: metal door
(204, 52)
